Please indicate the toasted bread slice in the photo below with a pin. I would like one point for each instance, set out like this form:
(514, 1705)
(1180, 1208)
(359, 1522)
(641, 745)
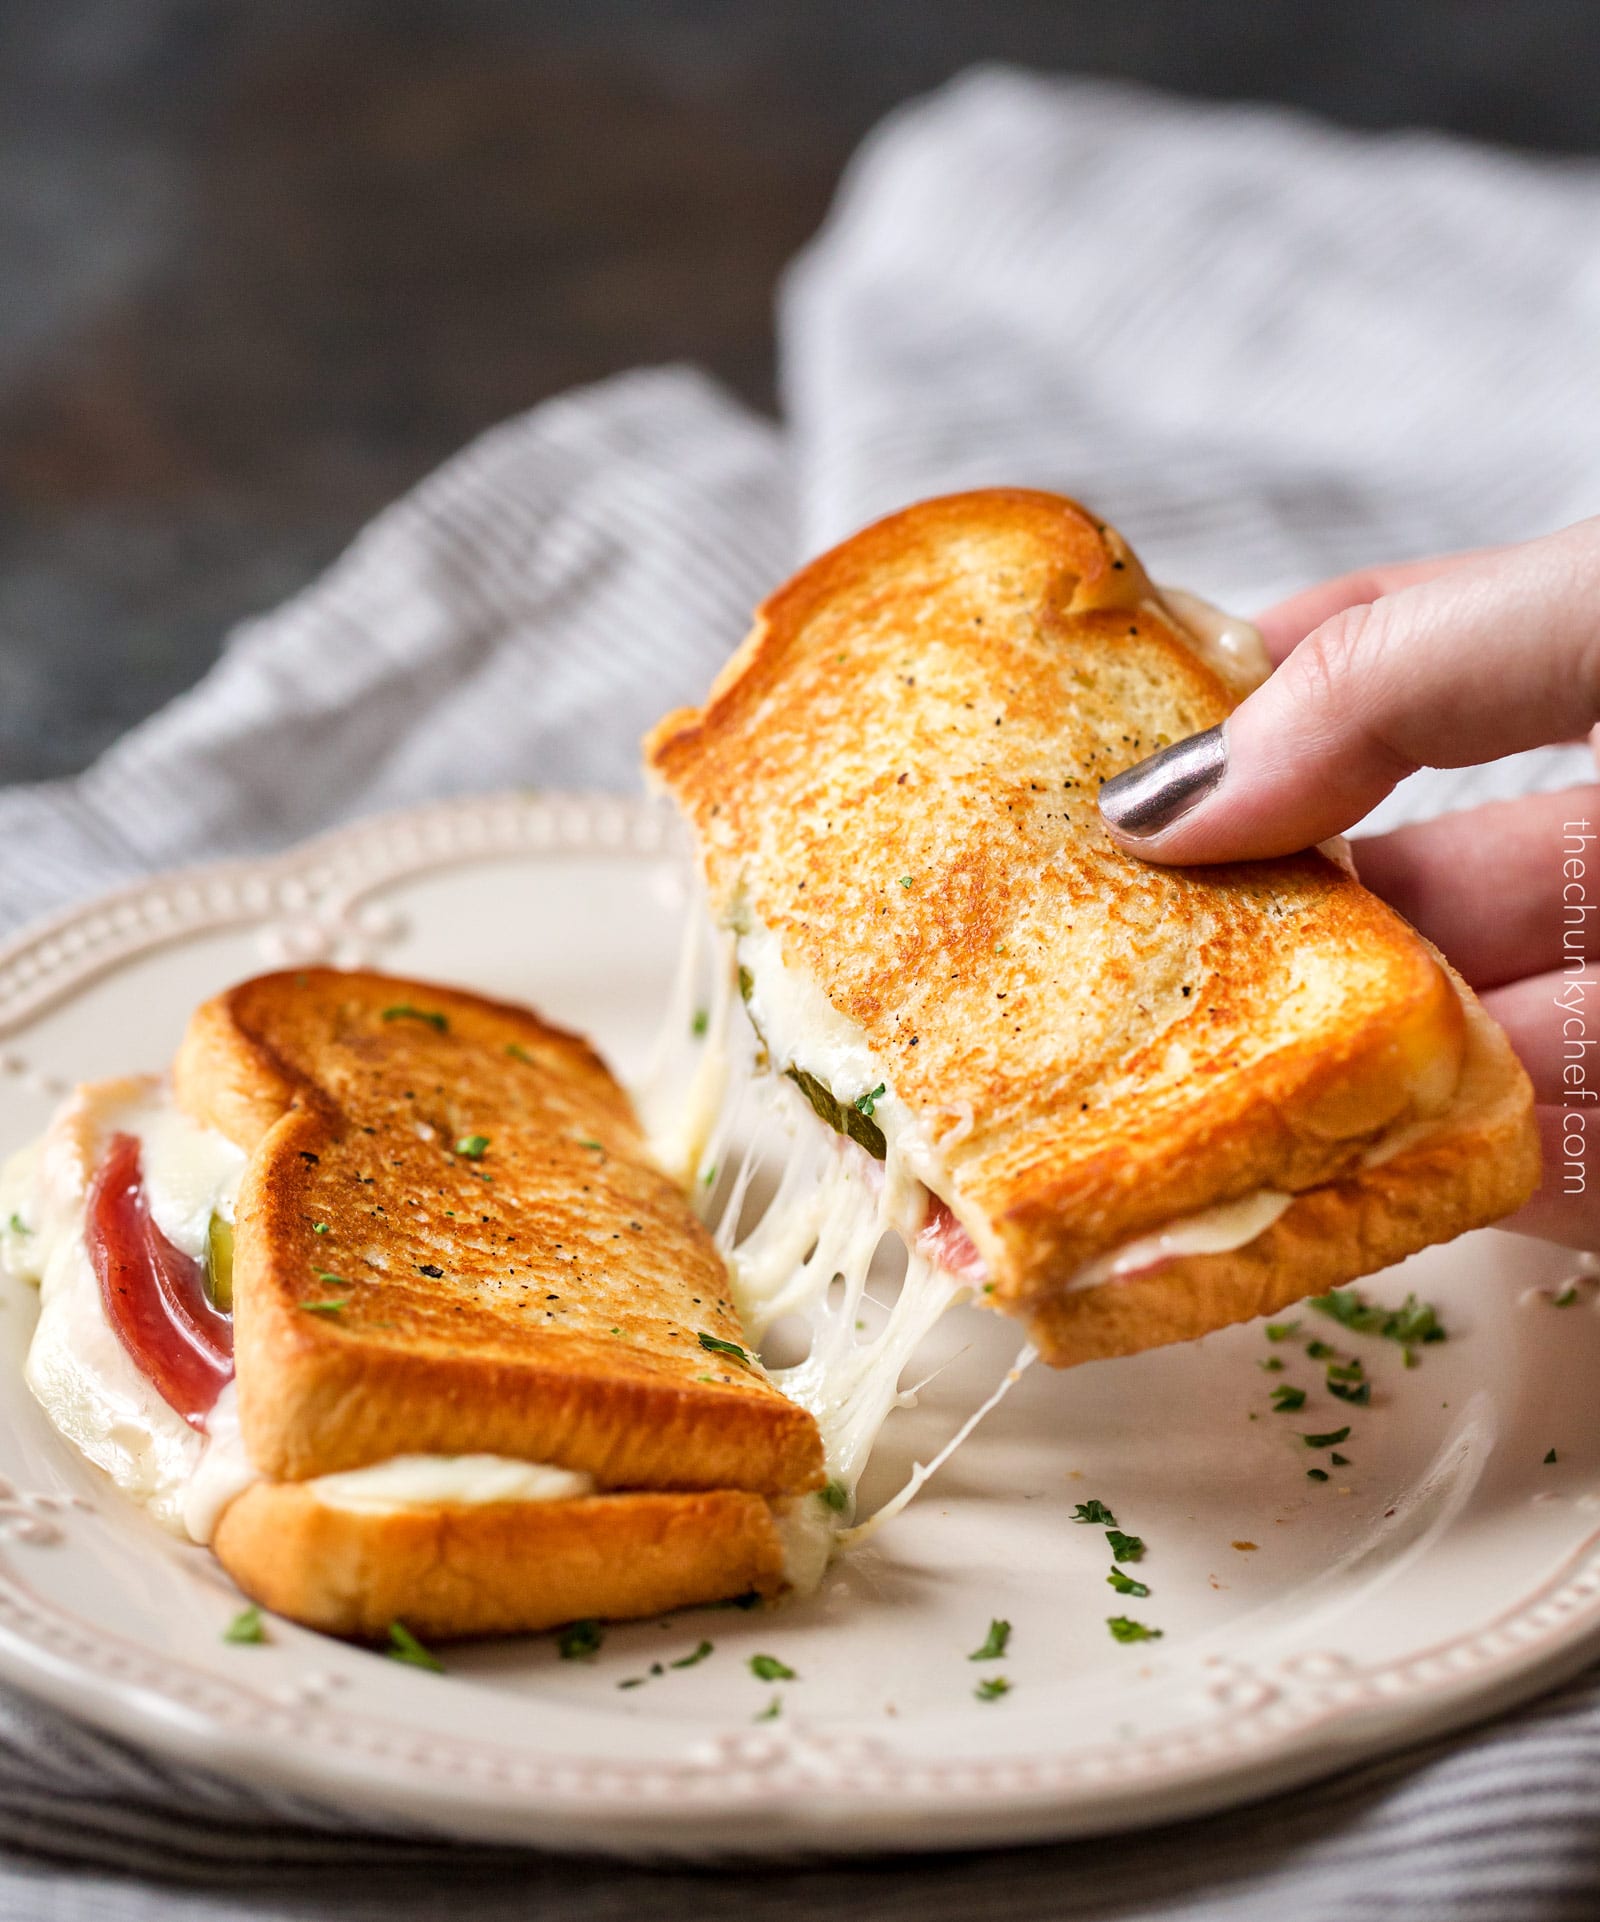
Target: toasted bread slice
(894, 783)
(1459, 1170)
(450, 1240)
(498, 1569)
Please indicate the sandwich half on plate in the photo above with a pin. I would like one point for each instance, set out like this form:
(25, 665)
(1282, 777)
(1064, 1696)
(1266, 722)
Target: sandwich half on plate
(382, 1296)
(1126, 1104)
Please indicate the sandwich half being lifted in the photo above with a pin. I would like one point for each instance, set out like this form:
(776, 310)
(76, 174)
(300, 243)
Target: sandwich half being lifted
(383, 1297)
(1126, 1104)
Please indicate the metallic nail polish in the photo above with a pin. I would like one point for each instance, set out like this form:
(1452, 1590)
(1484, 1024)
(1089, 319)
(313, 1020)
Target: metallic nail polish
(1150, 796)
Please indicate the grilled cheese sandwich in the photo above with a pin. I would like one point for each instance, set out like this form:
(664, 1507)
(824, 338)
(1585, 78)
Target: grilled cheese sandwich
(382, 1297)
(1140, 1102)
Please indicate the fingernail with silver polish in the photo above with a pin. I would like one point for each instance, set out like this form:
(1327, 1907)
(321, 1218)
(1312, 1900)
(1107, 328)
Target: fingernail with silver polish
(1151, 796)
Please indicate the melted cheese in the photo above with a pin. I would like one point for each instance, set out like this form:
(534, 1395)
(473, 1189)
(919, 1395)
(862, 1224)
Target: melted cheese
(1214, 1231)
(808, 1253)
(679, 1101)
(223, 1471)
(809, 1256)
(1232, 648)
(922, 1472)
(433, 1481)
(807, 1536)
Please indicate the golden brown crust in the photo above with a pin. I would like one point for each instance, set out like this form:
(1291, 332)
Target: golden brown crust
(1480, 1162)
(543, 1299)
(897, 775)
(498, 1569)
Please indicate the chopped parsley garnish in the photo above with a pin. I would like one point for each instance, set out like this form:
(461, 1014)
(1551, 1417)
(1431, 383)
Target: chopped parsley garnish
(472, 1147)
(701, 1021)
(588, 1141)
(767, 1668)
(1320, 1350)
(992, 1688)
(1411, 1324)
(332, 1307)
(319, 1228)
(905, 880)
(1565, 1299)
(1282, 1330)
(404, 1647)
(431, 1269)
(1095, 1512)
(579, 1640)
(1348, 1382)
(994, 1644)
(715, 1345)
(1358, 1392)
(1124, 1548)
(1326, 1441)
(866, 1104)
(403, 1011)
(1549, 1458)
(1272, 1365)
(1316, 1474)
(1125, 1584)
(1286, 1399)
(771, 1712)
(835, 1496)
(1338, 1460)
(694, 1658)
(19, 1226)
(519, 1053)
(246, 1626)
(1125, 1629)
(709, 1176)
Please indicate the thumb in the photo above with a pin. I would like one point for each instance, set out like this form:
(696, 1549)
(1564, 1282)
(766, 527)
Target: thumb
(1496, 656)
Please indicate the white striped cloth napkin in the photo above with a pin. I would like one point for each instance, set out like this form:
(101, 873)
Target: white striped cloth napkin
(1270, 351)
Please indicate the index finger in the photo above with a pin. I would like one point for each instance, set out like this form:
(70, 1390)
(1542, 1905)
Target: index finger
(1490, 657)
(1285, 624)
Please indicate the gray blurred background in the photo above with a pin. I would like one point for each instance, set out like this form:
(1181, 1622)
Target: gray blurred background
(265, 264)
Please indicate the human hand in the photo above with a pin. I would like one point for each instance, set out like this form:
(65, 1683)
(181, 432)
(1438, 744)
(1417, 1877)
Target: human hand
(1441, 663)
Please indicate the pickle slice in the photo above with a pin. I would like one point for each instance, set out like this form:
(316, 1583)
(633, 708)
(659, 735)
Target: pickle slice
(841, 1117)
(219, 1265)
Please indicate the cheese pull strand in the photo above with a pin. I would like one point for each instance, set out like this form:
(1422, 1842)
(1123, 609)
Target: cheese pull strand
(922, 1472)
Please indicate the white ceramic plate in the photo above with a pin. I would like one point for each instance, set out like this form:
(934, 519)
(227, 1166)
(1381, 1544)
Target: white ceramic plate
(1447, 1571)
